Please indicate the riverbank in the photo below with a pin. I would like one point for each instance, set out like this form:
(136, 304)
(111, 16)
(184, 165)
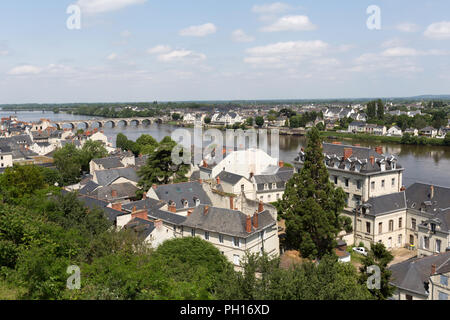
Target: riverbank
(421, 140)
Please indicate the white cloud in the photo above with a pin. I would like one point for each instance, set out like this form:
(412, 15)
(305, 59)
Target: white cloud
(291, 23)
(181, 55)
(4, 52)
(112, 56)
(125, 34)
(400, 52)
(24, 70)
(240, 36)
(438, 30)
(396, 42)
(271, 8)
(100, 6)
(199, 31)
(159, 49)
(407, 27)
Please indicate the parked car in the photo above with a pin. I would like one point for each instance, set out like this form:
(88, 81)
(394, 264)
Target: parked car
(360, 250)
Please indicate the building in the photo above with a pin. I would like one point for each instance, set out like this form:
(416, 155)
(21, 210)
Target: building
(412, 131)
(394, 131)
(357, 127)
(423, 278)
(270, 186)
(428, 132)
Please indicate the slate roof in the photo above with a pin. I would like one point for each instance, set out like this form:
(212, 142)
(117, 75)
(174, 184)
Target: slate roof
(413, 273)
(334, 153)
(88, 188)
(106, 177)
(386, 204)
(141, 226)
(124, 190)
(109, 162)
(166, 216)
(229, 177)
(280, 178)
(92, 203)
(226, 221)
(148, 203)
(178, 192)
(418, 193)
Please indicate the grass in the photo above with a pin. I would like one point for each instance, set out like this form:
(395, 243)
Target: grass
(8, 291)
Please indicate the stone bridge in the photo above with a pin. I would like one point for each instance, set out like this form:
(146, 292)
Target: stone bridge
(102, 122)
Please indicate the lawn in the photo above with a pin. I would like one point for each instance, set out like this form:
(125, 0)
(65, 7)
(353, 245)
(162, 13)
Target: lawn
(8, 291)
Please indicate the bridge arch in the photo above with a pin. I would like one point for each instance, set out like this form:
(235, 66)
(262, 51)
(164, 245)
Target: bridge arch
(125, 122)
(135, 122)
(146, 122)
(113, 123)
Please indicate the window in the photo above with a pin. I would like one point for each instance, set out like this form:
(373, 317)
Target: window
(335, 179)
(400, 222)
(372, 185)
(380, 227)
(408, 297)
(221, 238)
(393, 182)
(358, 184)
(268, 197)
(413, 224)
(357, 200)
(443, 280)
(438, 245)
(443, 296)
(236, 242)
(206, 235)
(236, 259)
(266, 186)
(426, 242)
(347, 196)
(368, 227)
(242, 187)
(274, 185)
(391, 225)
(193, 232)
(278, 196)
(262, 198)
(261, 234)
(400, 239)
(382, 183)
(346, 182)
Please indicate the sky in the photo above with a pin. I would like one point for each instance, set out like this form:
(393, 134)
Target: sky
(178, 50)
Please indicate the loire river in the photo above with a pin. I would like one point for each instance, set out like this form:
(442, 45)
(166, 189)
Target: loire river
(428, 164)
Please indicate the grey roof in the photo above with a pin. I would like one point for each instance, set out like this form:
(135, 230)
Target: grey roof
(386, 204)
(106, 177)
(280, 178)
(23, 153)
(124, 190)
(92, 203)
(414, 273)
(141, 226)
(148, 203)
(89, 187)
(226, 221)
(16, 141)
(357, 123)
(195, 175)
(229, 177)
(109, 163)
(178, 192)
(166, 216)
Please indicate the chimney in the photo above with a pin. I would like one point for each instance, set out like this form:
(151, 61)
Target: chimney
(218, 180)
(431, 192)
(337, 142)
(144, 196)
(372, 160)
(205, 165)
(117, 206)
(158, 223)
(281, 164)
(248, 225)
(134, 209)
(379, 150)
(114, 193)
(154, 186)
(224, 150)
(433, 269)
(403, 188)
(260, 206)
(255, 220)
(173, 208)
(205, 210)
(347, 153)
(143, 214)
(231, 203)
(251, 175)
(200, 181)
(189, 212)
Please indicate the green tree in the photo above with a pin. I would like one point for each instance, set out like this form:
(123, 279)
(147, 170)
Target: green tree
(259, 121)
(312, 205)
(371, 110)
(378, 255)
(447, 139)
(19, 181)
(91, 150)
(68, 160)
(160, 169)
(146, 144)
(380, 110)
(207, 120)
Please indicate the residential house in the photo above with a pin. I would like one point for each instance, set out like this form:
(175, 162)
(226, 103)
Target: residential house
(394, 131)
(428, 132)
(412, 131)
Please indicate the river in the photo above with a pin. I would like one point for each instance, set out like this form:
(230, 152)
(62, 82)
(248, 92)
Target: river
(430, 164)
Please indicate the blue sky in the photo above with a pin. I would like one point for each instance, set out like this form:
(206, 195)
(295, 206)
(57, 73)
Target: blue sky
(146, 50)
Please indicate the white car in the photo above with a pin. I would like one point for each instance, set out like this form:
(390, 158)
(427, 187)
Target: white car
(360, 250)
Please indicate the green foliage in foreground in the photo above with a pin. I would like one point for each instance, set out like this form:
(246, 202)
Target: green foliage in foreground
(43, 232)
